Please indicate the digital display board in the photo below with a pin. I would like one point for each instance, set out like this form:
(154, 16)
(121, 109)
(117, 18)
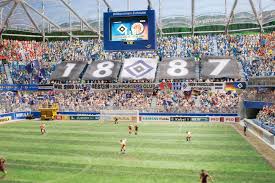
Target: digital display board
(130, 30)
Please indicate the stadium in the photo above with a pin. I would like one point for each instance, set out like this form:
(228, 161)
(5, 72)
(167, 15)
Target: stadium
(128, 91)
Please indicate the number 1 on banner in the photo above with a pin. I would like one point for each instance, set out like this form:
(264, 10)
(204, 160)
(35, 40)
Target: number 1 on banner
(69, 67)
(220, 66)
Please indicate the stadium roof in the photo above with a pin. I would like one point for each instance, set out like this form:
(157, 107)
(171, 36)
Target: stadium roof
(71, 15)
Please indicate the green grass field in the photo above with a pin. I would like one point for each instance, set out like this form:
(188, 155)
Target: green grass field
(88, 152)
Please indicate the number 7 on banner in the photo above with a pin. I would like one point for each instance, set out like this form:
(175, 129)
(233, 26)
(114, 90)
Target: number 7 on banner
(220, 66)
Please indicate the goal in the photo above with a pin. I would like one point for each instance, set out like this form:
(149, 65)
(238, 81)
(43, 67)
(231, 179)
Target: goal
(121, 115)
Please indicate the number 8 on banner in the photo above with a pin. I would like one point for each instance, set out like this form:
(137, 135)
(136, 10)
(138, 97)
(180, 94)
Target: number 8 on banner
(104, 69)
(177, 68)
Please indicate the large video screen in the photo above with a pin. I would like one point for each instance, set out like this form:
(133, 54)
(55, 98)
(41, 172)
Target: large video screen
(129, 28)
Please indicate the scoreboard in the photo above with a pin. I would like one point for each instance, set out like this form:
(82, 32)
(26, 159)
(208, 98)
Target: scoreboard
(130, 30)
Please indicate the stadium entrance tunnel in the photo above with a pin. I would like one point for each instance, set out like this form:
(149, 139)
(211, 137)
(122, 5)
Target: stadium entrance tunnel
(252, 108)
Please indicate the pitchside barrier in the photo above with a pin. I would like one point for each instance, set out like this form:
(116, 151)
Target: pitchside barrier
(260, 132)
(143, 117)
(157, 117)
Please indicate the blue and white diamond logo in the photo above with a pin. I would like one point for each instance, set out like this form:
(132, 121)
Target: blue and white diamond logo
(240, 85)
(122, 29)
(138, 69)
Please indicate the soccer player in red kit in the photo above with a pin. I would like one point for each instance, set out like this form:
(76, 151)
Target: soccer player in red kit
(42, 128)
(130, 129)
(116, 120)
(3, 166)
(204, 177)
(136, 129)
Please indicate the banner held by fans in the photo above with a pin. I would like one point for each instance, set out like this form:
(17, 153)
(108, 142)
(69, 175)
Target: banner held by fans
(219, 67)
(102, 70)
(139, 68)
(68, 71)
(177, 68)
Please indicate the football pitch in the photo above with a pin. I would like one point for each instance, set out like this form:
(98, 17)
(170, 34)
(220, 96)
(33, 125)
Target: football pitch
(88, 152)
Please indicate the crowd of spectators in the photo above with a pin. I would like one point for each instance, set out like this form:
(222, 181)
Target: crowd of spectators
(198, 102)
(267, 115)
(94, 101)
(33, 62)
(259, 94)
(3, 76)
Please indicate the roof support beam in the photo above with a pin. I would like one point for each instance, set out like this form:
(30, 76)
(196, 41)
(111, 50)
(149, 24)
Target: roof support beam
(98, 19)
(128, 5)
(107, 4)
(43, 23)
(40, 14)
(45, 17)
(149, 4)
(79, 17)
(4, 3)
(256, 15)
(193, 16)
(70, 21)
(9, 15)
(160, 23)
(231, 15)
(31, 19)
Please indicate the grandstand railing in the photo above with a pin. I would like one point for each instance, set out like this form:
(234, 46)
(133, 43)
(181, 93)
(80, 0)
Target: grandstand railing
(164, 33)
(262, 81)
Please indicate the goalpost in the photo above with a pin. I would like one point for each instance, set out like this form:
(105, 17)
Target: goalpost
(121, 115)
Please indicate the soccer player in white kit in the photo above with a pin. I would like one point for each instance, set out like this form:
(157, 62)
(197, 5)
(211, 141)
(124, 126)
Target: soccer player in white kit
(123, 145)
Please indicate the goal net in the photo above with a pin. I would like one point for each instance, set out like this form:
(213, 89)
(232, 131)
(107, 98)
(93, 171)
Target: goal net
(121, 115)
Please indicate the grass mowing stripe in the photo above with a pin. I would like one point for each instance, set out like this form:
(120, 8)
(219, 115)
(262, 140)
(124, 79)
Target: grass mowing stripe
(150, 156)
(33, 148)
(134, 161)
(111, 142)
(174, 150)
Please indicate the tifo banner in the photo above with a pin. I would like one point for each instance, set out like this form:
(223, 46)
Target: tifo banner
(105, 86)
(219, 67)
(185, 86)
(134, 86)
(69, 86)
(177, 68)
(102, 70)
(139, 68)
(45, 87)
(122, 86)
(263, 81)
(68, 71)
(18, 87)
